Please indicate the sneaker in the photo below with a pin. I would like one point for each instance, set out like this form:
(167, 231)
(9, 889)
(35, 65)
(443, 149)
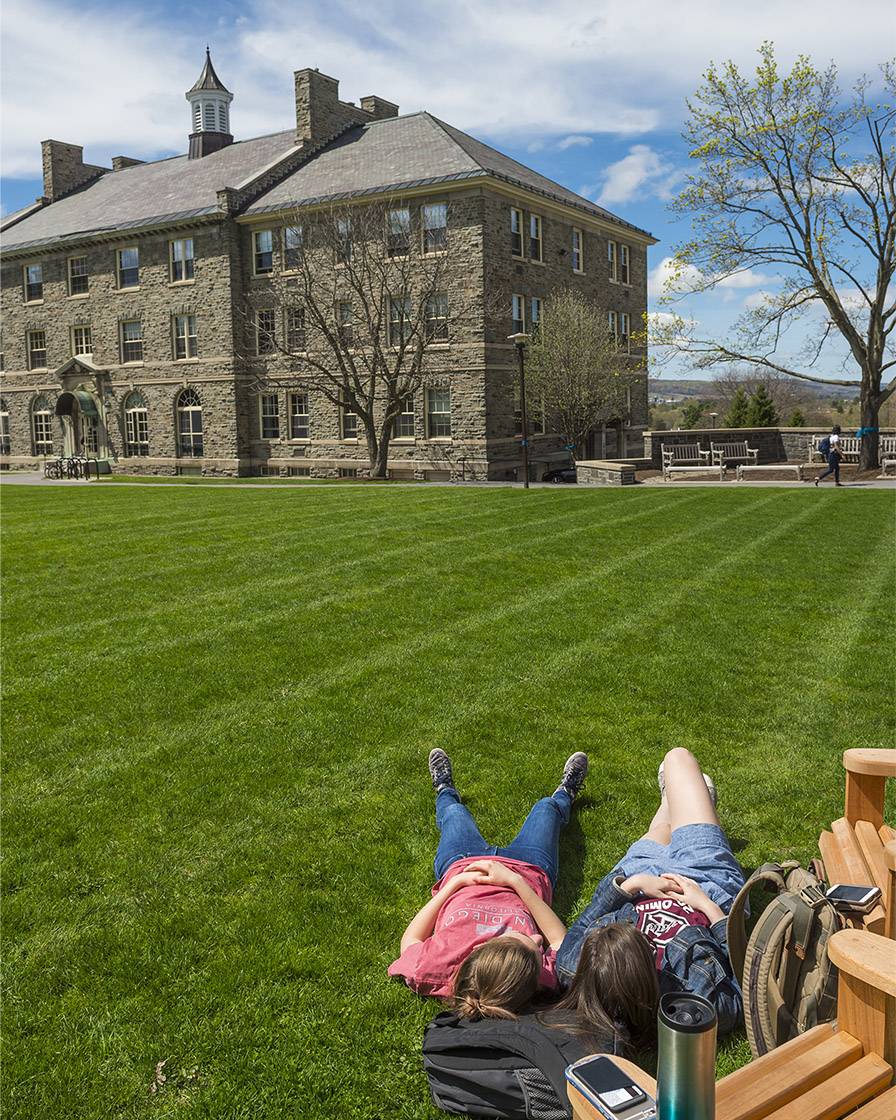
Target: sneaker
(710, 784)
(440, 770)
(574, 774)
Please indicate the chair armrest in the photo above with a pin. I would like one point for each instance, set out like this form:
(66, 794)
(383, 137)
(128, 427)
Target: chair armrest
(703, 454)
(878, 762)
(867, 957)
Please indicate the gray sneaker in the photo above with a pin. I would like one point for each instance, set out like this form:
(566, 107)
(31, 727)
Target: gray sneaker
(574, 774)
(710, 784)
(440, 769)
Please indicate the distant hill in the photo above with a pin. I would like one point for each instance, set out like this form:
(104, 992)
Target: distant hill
(691, 388)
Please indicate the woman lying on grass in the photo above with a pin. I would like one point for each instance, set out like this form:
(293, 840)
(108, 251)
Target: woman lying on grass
(657, 921)
(488, 938)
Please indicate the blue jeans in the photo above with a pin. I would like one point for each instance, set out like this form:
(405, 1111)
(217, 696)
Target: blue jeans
(833, 467)
(700, 851)
(538, 841)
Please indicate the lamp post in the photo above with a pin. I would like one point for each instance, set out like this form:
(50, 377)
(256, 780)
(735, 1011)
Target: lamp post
(519, 341)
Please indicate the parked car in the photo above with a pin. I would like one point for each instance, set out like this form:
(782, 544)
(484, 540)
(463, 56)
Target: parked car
(561, 474)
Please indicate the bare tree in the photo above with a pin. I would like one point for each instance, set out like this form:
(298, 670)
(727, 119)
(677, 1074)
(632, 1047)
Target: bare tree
(783, 390)
(364, 298)
(792, 178)
(578, 368)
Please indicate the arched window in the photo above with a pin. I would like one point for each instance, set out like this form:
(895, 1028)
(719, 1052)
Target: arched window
(42, 426)
(136, 424)
(4, 428)
(189, 424)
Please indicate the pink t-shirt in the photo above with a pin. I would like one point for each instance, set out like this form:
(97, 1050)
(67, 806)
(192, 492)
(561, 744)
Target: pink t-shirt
(468, 918)
(662, 919)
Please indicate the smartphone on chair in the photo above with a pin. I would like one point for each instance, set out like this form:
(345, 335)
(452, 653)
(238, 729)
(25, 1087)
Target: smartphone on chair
(860, 900)
(610, 1089)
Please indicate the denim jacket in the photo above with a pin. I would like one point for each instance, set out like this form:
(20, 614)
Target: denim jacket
(696, 960)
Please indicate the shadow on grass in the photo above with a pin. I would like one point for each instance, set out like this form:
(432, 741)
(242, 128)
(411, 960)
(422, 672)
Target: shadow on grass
(572, 861)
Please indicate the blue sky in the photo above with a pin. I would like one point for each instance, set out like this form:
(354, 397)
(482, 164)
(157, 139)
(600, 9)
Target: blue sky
(590, 93)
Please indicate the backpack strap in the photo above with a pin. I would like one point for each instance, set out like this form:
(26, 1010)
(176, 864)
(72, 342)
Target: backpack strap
(772, 874)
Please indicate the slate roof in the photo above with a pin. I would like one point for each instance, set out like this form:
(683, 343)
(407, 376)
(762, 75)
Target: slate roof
(413, 150)
(386, 155)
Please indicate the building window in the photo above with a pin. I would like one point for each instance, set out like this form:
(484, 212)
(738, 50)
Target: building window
(189, 424)
(534, 237)
(611, 260)
(518, 314)
(624, 332)
(345, 324)
(437, 317)
(623, 265)
(398, 232)
(263, 241)
(343, 240)
(5, 442)
(182, 260)
(404, 422)
(399, 320)
(299, 418)
(34, 282)
(270, 416)
(185, 340)
(292, 247)
(349, 421)
(208, 109)
(534, 314)
(81, 341)
(37, 349)
(516, 232)
(128, 267)
(132, 341)
(89, 434)
(78, 277)
(136, 424)
(578, 254)
(435, 227)
(438, 413)
(613, 325)
(296, 338)
(264, 331)
(348, 472)
(298, 472)
(42, 427)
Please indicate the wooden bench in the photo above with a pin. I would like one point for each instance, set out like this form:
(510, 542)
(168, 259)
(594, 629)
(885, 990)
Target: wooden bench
(683, 457)
(830, 1072)
(849, 449)
(860, 848)
(756, 468)
(886, 450)
(733, 452)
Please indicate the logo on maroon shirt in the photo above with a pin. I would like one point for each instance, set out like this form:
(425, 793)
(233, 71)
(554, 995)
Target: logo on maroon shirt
(663, 919)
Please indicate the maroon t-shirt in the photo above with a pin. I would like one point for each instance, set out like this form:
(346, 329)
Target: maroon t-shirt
(662, 919)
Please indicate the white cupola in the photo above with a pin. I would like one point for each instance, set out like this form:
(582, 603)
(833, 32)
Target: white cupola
(209, 112)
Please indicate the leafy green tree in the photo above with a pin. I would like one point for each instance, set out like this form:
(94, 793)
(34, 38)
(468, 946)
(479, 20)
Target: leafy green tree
(692, 415)
(797, 420)
(736, 416)
(761, 412)
(793, 178)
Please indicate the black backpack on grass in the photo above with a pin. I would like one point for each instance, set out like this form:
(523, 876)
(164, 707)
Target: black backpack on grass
(788, 982)
(513, 1069)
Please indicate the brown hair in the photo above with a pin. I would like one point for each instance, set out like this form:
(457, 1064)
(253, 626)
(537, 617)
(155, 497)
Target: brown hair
(615, 991)
(497, 980)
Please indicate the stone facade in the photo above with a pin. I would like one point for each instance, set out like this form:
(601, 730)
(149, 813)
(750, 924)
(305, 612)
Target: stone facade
(477, 362)
(597, 472)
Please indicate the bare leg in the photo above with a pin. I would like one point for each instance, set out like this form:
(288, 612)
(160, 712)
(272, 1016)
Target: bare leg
(687, 797)
(660, 830)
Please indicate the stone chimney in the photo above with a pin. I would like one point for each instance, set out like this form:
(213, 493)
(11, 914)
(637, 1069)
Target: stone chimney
(65, 169)
(119, 163)
(320, 115)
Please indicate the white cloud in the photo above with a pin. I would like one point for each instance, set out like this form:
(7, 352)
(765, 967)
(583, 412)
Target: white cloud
(757, 299)
(112, 76)
(746, 278)
(666, 279)
(642, 173)
(574, 142)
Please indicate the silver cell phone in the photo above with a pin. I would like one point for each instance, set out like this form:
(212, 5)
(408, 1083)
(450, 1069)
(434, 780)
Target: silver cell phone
(847, 897)
(610, 1089)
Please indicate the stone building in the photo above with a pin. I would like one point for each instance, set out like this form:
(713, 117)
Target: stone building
(125, 291)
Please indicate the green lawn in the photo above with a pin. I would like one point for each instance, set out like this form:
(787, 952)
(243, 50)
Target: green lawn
(218, 706)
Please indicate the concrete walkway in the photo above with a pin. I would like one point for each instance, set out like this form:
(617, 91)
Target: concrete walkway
(35, 478)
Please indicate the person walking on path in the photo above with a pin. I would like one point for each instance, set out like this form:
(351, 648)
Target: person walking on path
(488, 938)
(830, 448)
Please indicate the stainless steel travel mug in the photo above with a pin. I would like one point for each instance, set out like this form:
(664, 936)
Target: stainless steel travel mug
(686, 1058)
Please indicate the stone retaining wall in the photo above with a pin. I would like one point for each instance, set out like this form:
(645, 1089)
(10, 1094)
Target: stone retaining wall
(776, 445)
(605, 472)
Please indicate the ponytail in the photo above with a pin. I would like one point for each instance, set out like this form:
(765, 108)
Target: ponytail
(497, 980)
